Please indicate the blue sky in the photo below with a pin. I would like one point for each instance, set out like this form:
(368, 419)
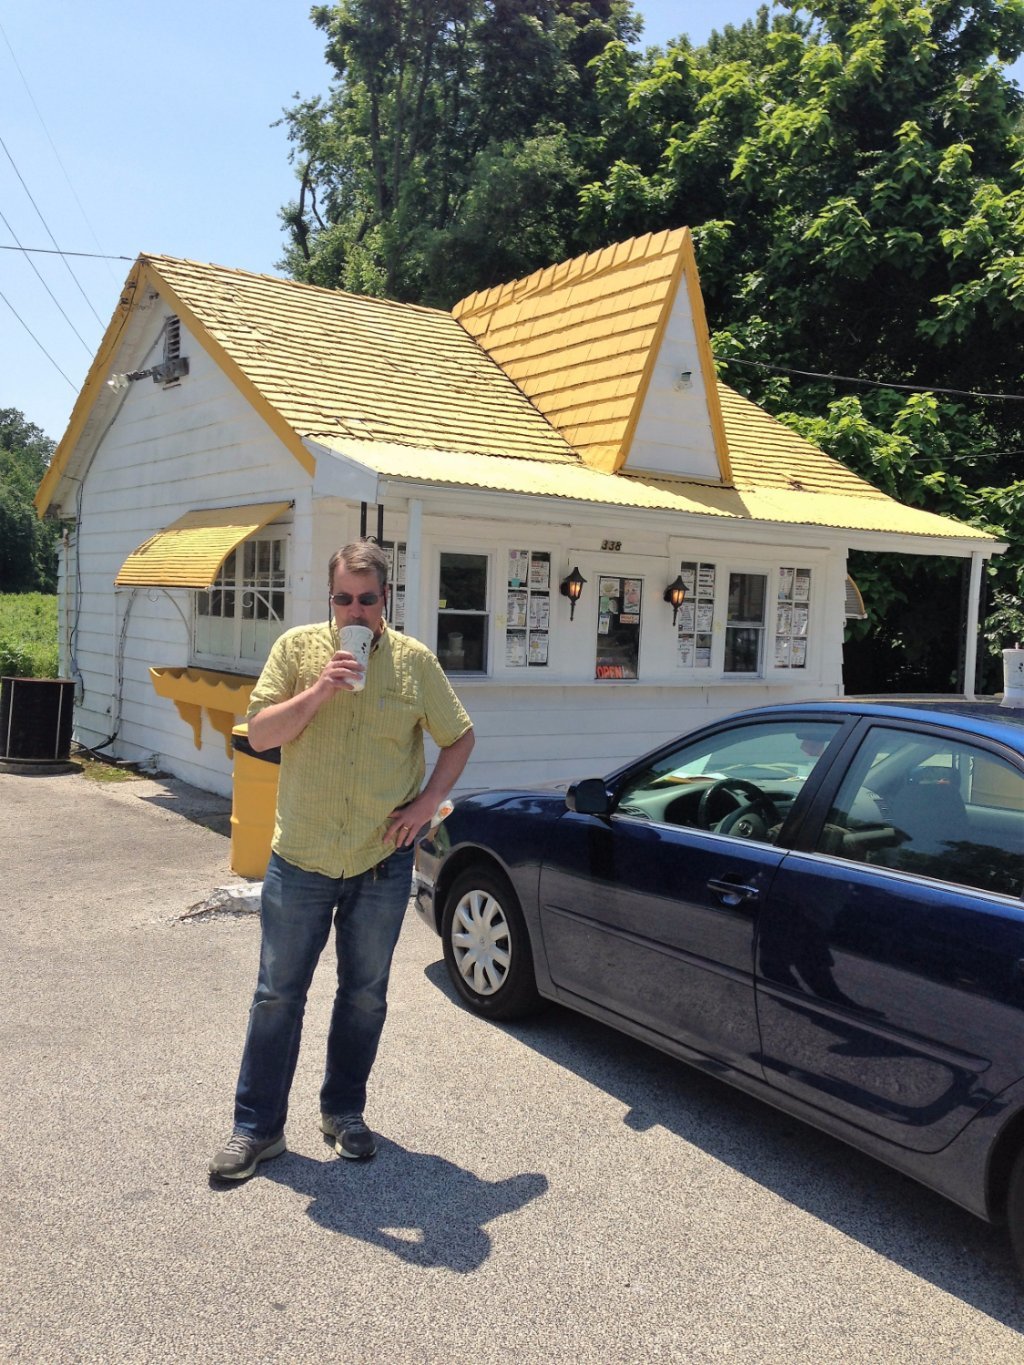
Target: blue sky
(149, 128)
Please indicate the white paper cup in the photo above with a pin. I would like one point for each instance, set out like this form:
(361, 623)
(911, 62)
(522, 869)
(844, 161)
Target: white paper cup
(357, 640)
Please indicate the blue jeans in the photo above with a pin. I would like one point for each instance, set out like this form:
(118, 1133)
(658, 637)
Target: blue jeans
(297, 908)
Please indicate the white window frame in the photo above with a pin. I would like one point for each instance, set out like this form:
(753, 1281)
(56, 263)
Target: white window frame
(236, 662)
(762, 626)
(488, 612)
(623, 574)
(769, 567)
(578, 644)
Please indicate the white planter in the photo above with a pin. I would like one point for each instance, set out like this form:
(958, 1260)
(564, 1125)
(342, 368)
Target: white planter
(1013, 678)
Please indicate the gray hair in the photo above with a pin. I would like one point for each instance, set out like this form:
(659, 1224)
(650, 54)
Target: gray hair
(360, 556)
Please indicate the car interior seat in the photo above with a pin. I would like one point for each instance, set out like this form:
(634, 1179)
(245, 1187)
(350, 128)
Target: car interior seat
(930, 819)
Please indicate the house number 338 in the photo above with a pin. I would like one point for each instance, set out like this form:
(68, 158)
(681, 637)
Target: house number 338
(611, 544)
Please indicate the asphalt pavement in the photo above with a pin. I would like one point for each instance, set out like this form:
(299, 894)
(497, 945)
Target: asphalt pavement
(544, 1192)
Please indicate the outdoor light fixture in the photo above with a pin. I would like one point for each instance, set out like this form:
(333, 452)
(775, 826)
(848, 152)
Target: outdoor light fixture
(675, 595)
(683, 380)
(572, 587)
(163, 373)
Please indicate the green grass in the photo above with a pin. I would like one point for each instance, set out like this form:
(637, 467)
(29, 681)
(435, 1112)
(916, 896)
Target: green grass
(28, 635)
(97, 771)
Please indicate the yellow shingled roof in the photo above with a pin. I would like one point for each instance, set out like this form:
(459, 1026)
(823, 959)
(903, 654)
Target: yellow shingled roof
(542, 398)
(580, 338)
(333, 363)
(767, 454)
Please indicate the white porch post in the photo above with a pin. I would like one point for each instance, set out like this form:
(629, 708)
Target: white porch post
(971, 629)
(413, 569)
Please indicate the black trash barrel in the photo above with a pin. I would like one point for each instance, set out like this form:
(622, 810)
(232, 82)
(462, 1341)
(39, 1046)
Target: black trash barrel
(36, 716)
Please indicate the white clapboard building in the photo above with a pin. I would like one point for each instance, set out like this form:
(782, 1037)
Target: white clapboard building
(235, 429)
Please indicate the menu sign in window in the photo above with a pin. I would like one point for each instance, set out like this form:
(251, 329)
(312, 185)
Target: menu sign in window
(395, 607)
(792, 615)
(619, 609)
(697, 615)
(528, 609)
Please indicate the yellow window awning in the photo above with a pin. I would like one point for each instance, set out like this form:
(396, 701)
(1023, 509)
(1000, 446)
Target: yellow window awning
(189, 552)
(854, 602)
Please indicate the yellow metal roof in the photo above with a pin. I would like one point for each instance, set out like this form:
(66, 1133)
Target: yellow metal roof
(189, 552)
(578, 482)
(580, 338)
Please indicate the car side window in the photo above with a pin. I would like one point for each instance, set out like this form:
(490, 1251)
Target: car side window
(741, 781)
(934, 806)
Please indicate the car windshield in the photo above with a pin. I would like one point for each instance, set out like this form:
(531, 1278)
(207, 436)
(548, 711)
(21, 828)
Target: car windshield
(741, 781)
(770, 752)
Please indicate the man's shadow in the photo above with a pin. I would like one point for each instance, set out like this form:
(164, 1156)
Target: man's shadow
(424, 1209)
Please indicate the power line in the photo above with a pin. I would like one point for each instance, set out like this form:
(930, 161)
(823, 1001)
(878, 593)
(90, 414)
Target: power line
(49, 234)
(870, 383)
(51, 251)
(53, 147)
(972, 457)
(32, 334)
(46, 286)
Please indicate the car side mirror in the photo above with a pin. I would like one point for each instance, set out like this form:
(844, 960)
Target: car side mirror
(589, 797)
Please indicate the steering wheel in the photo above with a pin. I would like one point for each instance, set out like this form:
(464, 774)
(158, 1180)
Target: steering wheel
(752, 817)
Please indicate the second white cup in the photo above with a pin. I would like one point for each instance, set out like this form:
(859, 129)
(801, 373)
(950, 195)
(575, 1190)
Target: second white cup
(357, 640)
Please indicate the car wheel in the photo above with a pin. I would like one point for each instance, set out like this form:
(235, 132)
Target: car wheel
(486, 945)
(1015, 1210)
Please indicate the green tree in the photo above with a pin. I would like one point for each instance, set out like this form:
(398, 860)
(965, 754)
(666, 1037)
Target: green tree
(854, 174)
(28, 558)
(452, 127)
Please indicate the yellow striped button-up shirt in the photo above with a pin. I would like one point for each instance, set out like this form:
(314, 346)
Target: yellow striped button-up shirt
(361, 755)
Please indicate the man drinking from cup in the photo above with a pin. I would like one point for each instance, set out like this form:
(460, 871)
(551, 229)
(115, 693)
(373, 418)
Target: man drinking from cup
(350, 804)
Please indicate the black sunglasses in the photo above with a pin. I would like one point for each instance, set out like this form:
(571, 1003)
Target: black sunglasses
(365, 599)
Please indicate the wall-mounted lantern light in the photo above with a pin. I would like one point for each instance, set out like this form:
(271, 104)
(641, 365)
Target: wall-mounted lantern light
(572, 587)
(675, 595)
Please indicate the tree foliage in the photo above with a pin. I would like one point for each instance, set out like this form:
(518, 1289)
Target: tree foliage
(446, 119)
(853, 172)
(28, 559)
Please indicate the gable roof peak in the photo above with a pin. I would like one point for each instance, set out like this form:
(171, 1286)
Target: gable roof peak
(585, 340)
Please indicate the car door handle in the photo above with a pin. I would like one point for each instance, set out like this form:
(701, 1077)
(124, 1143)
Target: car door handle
(732, 893)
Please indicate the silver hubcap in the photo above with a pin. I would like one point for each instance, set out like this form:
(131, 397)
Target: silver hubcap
(481, 942)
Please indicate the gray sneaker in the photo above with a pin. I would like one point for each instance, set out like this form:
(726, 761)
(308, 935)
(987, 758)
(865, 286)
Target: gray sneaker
(241, 1154)
(351, 1136)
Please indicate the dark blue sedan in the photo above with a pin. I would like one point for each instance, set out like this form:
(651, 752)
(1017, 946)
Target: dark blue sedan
(821, 903)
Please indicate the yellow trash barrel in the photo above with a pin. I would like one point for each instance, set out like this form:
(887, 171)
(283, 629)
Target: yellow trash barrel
(253, 803)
